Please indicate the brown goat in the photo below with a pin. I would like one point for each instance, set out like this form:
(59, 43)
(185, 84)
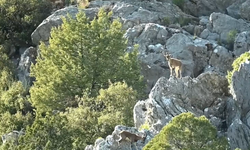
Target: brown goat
(132, 137)
(175, 64)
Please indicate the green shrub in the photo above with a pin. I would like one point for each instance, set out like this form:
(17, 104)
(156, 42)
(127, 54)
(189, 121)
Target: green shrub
(183, 21)
(166, 21)
(231, 37)
(187, 132)
(236, 65)
(82, 56)
(145, 126)
(179, 3)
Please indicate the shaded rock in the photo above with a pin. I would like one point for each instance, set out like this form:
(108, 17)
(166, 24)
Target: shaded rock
(241, 86)
(238, 135)
(222, 24)
(232, 111)
(23, 70)
(241, 43)
(244, 10)
(234, 9)
(221, 59)
(206, 34)
(201, 55)
(177, 47)
(206, 7)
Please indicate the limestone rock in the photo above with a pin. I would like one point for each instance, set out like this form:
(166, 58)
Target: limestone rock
(222, 24)
(241, 43)
(239, 135)
(171, 97)
(244, 10)
(206, 7)
(241, 86)
(221, 59)
(23, 70)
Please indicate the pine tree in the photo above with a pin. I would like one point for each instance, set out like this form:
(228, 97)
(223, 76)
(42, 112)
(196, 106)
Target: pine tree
(83, 56)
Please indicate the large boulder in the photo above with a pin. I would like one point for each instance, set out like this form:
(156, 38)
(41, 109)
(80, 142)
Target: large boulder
(177, 47)
(241, 86)
(244, 10)
(238, 135)
(241, 43)
(206, 7)
(221, 59)
(234, 9)
(23, 70)
(222, 24)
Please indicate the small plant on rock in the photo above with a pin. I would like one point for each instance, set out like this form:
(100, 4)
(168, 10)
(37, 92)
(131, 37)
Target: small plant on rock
(231, 37)
(236, 65)
(179, 3)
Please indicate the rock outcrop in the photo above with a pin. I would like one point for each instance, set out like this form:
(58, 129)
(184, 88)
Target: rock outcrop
(161, 27)
(23, 70)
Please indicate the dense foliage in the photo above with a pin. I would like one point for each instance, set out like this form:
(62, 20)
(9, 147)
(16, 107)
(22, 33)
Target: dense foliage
(187, 132)
(236, 65)
(19, 18)
(82, 57)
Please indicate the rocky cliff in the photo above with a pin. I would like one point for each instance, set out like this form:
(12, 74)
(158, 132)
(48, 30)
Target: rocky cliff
(161, 26)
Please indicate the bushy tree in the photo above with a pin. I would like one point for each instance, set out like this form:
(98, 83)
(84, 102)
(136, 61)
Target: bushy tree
(47, 132)
(19, 18)
(12, 92)
(82, 56)
(88, 121)
(187, 132)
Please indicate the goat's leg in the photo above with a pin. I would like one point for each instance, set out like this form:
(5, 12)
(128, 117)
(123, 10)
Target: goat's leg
(171, 71)
(176, 69)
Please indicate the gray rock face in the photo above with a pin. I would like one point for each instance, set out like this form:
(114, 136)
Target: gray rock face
(239, 135)
(221, 59)
(241, 86)
(241, 43)
(206, 7)
(223, 24)
(23, 70)
(234, 9)
(244, 10)
(177, 47)
(171, 97)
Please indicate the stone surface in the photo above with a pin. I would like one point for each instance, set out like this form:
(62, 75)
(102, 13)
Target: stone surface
(241, 86)
(171, 97)
(239, 135)
(23, 69)
(222, 24)
(241, 43)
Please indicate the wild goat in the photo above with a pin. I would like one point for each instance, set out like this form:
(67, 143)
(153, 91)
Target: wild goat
(175, 64)
(132, 137)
